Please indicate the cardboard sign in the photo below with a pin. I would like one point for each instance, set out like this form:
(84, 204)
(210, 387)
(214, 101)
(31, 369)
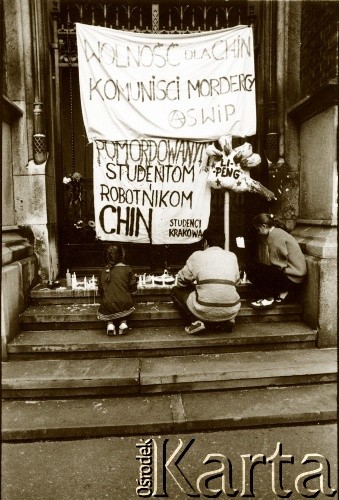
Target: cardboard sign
(150, 191)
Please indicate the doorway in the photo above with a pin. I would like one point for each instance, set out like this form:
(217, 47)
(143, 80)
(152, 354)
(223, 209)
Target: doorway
(79, 248)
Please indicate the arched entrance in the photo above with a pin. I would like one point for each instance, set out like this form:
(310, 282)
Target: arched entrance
(79, 248)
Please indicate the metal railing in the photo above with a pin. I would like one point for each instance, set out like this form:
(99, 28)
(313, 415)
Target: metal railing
(143, 16)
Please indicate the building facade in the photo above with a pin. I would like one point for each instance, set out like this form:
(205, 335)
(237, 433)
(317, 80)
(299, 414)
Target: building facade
(296, 57)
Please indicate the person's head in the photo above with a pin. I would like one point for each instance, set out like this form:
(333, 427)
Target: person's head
(263, 223)
(114, 254)
(213, 239)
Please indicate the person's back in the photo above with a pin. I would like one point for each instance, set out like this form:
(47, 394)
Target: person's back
(285, 253)
(279, 279)
(116, 283)
(115, 291)
(216, 273)
(206, 286)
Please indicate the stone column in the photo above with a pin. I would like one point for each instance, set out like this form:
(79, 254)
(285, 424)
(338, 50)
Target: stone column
(317, 117)
(33, 173)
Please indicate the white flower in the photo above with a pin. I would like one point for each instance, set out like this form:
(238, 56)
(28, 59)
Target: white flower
(76, 176)
(66, 180)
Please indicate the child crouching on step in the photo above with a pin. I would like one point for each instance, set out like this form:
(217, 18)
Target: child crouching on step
(116, 284)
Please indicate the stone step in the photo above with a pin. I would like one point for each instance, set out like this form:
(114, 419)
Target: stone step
(238, 370)
(84, 316)
(41, 294)
(204, 372)
(158, 341)
(168, 413)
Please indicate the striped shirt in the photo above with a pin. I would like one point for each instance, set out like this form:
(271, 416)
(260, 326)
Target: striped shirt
(216, 273)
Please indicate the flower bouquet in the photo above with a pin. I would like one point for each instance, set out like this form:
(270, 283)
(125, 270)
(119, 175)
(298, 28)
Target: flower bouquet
(73, 183)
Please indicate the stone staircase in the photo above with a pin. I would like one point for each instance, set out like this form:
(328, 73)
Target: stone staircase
(65, 378)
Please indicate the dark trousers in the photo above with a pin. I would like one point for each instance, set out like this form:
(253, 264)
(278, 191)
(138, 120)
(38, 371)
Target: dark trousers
(180, 296)
(269, 281)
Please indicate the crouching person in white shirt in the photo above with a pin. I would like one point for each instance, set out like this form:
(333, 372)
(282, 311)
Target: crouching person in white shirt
(206, 291)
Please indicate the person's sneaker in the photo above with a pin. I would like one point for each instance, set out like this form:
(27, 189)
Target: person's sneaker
(110, 329)
(123, 328)
(195, 327)
(262, 303)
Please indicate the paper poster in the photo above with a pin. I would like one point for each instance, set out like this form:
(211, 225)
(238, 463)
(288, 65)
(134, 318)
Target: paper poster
(195, 86)
(150, 191)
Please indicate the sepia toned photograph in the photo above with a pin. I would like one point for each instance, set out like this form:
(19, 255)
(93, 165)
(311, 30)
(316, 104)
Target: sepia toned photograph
(169, 249)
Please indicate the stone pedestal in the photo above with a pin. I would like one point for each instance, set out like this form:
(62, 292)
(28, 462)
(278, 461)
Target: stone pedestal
(19, 274)
(319, 244)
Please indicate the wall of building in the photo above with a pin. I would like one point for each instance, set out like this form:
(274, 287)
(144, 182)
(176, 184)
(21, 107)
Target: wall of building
(317, 223)
(314, 116)
(29, 249)
(318, 167)
(34, 184)
(19, 262)
(318, 45)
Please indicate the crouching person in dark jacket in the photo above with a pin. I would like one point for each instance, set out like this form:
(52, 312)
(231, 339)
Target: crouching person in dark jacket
(116, 284)
(206, 287)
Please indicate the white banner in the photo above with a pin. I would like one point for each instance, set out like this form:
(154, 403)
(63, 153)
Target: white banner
(150, 191)
(196, 86)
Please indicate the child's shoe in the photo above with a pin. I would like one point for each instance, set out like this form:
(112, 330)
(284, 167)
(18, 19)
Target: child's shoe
(123, 328)
(110, 329)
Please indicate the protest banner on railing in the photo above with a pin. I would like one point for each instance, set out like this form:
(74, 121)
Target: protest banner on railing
(196, 86)
(150, 191)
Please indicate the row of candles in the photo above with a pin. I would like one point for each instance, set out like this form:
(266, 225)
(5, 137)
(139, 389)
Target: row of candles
(85, 284)
(151, 280)
(143, 280)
